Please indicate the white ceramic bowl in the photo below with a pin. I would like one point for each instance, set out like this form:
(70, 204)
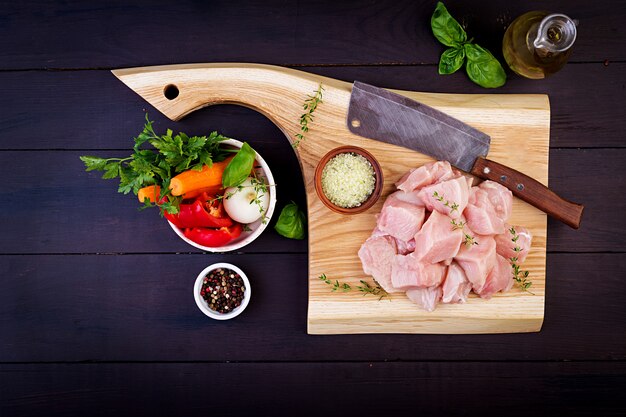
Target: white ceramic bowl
(202, 304)
(257, 227)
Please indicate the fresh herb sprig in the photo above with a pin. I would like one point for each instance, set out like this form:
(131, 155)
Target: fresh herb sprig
(310, 105)
(520, 277)
(481, 66)
(469, 240)
(365, 288)
(457, 225)
(335, 285)
(170, 154)
(450, 204)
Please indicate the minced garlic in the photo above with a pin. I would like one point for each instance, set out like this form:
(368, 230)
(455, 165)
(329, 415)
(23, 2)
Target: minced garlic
(348, 180)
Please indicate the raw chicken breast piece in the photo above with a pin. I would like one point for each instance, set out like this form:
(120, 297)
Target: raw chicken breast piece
(408, 271)
(456, 287)
(506, 247)
(438, 239)
(499, 279)
(377, 254)
(425, 175)
(488, 209)
(426, 298)
(401, 220)
(500, 197)
(481, 216)
(403, 247)
(406, 196)
(478, 260)
(454, 193)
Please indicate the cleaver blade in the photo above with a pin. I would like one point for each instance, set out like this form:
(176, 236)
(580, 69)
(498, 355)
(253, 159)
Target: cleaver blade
(379, 114)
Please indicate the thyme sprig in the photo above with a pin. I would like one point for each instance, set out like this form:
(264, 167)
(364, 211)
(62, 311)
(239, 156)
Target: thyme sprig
(336, 286)
(365, 288)
(310, 105)
(450, 204)
(459, 225)
(469, 240)
(520, 276)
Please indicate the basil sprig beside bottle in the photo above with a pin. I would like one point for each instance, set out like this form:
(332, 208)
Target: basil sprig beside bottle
(481, 66)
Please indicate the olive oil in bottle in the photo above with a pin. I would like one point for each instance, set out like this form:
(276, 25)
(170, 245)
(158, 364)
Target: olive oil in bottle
(538, 44)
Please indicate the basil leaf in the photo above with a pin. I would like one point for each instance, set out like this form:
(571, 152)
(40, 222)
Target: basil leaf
(451, 60)
(291, 222)
(240, 167)
(445, 28)
(483, 68)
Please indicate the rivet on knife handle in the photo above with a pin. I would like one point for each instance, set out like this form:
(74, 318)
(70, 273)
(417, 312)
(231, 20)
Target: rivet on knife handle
(530, 190)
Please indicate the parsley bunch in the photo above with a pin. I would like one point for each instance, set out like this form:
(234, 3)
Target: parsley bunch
(169, 155)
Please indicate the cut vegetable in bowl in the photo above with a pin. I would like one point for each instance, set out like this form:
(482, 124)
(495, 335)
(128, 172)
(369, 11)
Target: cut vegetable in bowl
(192, 180)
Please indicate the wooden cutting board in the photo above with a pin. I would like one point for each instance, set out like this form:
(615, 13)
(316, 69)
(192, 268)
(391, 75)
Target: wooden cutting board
(519, 126)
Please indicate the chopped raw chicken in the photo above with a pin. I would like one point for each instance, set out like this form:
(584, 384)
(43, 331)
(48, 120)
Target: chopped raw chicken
(447, 197)
(426, 298)
(405, 247)
(489, 208)
(438, 239)
(401, 220)
(506, 247)
(377, 254)
(408, 271)
(425, 175)
(456, 287)
(501, 198)
(406, 196)
(499, 279)
(402, 246)
(477, 260)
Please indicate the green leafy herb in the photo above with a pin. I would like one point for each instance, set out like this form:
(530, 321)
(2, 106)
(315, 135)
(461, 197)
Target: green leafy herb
(365, 288)
(451, 60)
(481, 66)
(469, 240)
(169, 155)
(291, 222)
(239, 168)
(457, 225)
(310, 105)
(520, 277)
(450, 204)
(335, 284)
(445, 28)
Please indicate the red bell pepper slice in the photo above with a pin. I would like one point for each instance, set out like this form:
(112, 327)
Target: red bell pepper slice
(203, 212)
(213, 238)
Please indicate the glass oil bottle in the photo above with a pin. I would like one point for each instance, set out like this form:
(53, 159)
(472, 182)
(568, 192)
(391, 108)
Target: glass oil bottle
(538, 44)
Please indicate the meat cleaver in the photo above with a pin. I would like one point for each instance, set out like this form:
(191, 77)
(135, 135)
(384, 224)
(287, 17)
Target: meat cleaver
(379, 114)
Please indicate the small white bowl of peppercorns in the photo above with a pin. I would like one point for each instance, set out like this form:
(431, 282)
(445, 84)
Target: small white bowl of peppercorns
(222, 291)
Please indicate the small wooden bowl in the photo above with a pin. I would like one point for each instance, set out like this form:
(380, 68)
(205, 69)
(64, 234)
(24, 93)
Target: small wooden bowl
(378, 185)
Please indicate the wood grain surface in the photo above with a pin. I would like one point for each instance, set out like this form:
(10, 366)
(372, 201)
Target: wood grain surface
(96, 313)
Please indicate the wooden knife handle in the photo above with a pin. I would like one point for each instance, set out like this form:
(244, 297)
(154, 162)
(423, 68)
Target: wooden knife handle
(530, 190)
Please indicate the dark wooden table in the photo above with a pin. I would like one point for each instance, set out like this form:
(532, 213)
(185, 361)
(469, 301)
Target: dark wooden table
(96, 309)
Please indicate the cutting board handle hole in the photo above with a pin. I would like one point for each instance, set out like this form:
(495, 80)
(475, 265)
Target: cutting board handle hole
(355, 123)
(170, 92)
